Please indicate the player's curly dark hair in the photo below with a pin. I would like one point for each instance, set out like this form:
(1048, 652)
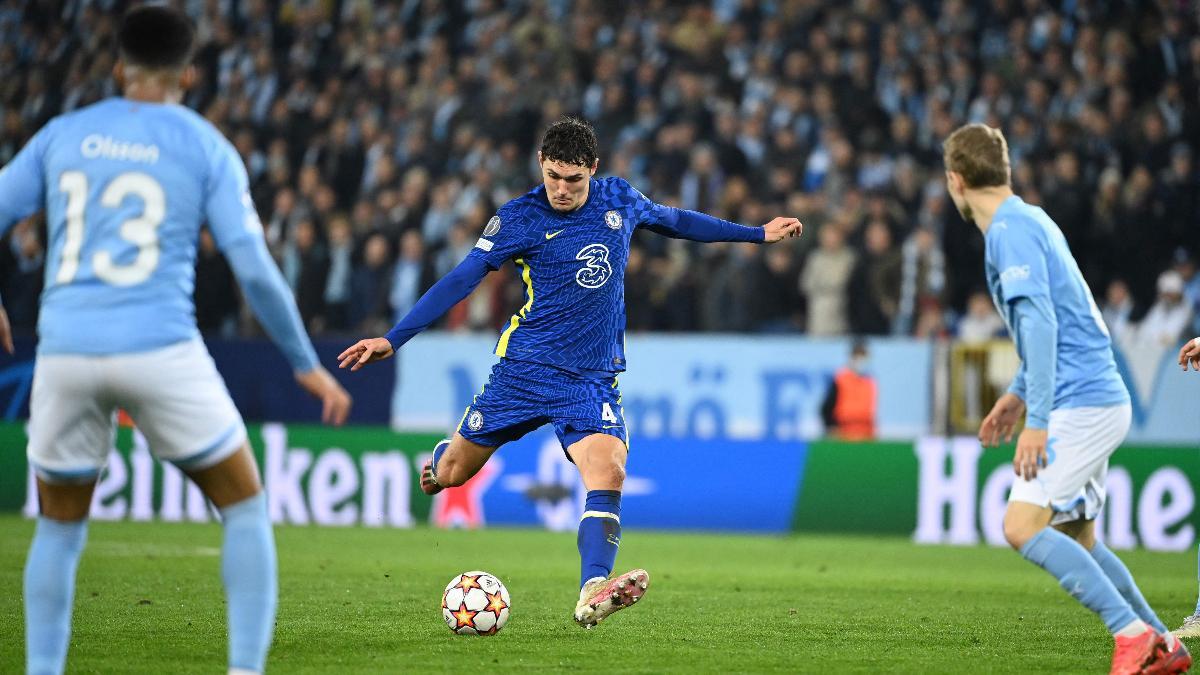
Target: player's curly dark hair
(570, 140)
(158, 37)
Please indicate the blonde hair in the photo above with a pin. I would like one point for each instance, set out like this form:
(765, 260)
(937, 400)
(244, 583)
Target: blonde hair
(979, 154)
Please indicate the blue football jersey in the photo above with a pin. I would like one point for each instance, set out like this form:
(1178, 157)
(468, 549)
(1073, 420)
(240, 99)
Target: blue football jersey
(1026, 255)
(573, 268)
(126, 186)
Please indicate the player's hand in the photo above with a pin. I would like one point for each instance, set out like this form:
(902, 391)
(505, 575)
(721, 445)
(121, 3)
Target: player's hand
(1189, 352)
(1031, 453)
(1001, 421)
(335, 400)
(6, 332)
(365, 351)
(781, 228)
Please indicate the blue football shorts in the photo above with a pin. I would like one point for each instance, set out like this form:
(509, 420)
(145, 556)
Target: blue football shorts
(521, 396)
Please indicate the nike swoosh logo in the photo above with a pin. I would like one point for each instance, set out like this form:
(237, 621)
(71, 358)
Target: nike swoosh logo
(551, 235)
(612, 426)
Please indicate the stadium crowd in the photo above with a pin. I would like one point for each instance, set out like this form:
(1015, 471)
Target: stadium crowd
(381, 136)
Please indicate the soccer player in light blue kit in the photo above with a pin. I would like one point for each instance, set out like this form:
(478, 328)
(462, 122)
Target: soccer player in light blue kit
(126, 184)
(562, 351)
(1076, 407)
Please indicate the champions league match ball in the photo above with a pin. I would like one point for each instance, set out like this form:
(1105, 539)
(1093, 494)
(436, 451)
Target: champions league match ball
(475, 603)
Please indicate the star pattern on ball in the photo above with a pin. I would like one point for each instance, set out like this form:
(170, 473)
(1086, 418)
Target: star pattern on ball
(495, 603)
(468, 582)
(465, 618)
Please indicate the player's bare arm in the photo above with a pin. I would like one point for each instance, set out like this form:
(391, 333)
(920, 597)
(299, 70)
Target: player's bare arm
(782, 228)
(1188, 353)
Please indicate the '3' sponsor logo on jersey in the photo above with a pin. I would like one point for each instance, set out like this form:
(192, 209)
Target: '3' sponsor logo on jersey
(596, 270)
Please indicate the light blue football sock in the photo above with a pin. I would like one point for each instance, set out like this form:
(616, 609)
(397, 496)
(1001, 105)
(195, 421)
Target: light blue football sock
(251, 589)
(1119, 575)
(50, 593)
(1080, 575)
(599, 534)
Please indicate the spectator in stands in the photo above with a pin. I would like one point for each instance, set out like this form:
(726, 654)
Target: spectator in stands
(875, 285)
(825, 280)
(411, 275)
(922, 279)
(305, 265)
(370, 282)
(780, 304)
(1118, 309)
(341, 269)
(981, 322)
(1166, 321)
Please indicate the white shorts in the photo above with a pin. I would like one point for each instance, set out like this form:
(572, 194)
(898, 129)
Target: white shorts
(1079, 443)
(174, 395)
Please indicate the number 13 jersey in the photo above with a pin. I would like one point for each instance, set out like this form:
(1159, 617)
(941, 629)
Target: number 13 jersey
(126, 186)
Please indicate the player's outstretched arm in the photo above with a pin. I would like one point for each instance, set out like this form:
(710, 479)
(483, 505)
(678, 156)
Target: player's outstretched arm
(446, 293)
(1190, 353)
(696, 226)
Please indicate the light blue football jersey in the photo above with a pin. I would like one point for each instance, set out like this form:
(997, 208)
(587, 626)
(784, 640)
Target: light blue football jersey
(1027, 256)
(126, 186)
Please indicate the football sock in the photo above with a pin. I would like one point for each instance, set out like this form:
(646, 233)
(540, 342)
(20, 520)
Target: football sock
(438, 451)
(248, 570)
(1134, 629)
(1120, 577)
(1080, 575)
(50, 592)
(599, 534)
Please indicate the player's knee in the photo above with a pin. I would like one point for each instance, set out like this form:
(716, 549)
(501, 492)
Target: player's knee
(1017, 532)
(609, 475)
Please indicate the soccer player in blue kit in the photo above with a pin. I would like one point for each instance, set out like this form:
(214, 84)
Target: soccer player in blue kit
(560, 354)
(126, 184)
(1076, 407)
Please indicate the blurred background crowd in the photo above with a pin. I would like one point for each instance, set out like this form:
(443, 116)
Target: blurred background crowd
(381, 136)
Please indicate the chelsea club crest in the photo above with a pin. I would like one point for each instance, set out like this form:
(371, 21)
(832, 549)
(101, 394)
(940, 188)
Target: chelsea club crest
(613, 219)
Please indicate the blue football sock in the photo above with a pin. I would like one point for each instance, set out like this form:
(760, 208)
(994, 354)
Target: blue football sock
(1120, 577)
(599, 534)
(248, 570)
(1080, 575)
(50, 592)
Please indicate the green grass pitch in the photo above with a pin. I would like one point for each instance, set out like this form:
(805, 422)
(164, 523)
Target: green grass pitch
(367, 601)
